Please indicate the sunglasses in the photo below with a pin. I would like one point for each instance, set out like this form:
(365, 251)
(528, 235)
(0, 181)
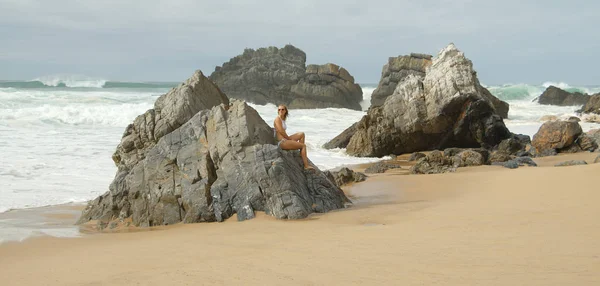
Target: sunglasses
(280, 109)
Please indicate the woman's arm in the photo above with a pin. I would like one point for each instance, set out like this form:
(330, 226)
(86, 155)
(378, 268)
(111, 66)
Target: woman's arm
(279, 128)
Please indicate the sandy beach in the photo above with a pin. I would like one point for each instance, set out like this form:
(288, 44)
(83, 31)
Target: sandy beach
(483, 225)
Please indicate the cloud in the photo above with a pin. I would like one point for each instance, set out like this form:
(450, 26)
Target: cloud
(155, 38)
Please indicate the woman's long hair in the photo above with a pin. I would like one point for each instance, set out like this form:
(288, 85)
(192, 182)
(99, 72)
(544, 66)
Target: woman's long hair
(287, 113)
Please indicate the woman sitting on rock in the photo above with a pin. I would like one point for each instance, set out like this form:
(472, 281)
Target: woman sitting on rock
(291, 142)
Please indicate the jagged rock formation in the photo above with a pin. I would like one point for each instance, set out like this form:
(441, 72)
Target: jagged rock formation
(556, 96)
(395, 71)
(400, 68)
(279, 76)
(445, 108)
(170, 111)
(218, 162)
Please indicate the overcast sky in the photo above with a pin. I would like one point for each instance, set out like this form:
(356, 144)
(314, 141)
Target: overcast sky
(508, 41)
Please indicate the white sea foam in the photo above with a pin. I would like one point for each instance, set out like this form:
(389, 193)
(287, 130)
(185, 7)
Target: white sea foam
(57, 144)
(366, 102)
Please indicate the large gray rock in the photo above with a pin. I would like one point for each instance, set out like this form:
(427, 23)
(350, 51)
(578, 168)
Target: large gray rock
(446, 108)
(556, 96)
(220, 162)
(325, 86)
(399, 68)
(170, 111)
(280, 76)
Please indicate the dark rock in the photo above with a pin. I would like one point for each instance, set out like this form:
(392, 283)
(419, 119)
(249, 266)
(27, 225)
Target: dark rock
(445, 108)
(524, 154)
(345, 176)
(556, 96)
(516, 162)
(279, 76)
(516, 143)
(434, 163)
(525, 161)
(485, 153)
(531, 150)
(548, 152)
(450, 152)
(469, 158)
(416, 156)
(571, 163)
(499, 157)
(573, 148)
(500, 107)
(574, 118)
(381, 167)
(511, 164)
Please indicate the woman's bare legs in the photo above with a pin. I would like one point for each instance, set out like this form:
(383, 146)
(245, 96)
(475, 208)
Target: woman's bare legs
(293, 145)
(298, 137)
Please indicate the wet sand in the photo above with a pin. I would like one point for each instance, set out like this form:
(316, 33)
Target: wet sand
(483, 225)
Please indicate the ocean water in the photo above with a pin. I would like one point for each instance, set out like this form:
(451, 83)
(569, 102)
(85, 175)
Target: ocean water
(57, 134)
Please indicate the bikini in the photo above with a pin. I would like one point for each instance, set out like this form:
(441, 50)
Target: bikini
(275, 133)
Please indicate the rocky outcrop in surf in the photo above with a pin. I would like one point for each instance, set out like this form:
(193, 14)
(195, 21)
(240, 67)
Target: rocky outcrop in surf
(197, 157)
(556, 96)
(280, 76)
(447, 107)
(399, 68)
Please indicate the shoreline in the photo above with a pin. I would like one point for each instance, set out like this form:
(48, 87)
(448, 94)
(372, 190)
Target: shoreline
(58, 221)
(61, 218)
(480, 225)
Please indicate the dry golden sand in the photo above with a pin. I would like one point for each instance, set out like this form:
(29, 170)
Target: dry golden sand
(480, 226)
